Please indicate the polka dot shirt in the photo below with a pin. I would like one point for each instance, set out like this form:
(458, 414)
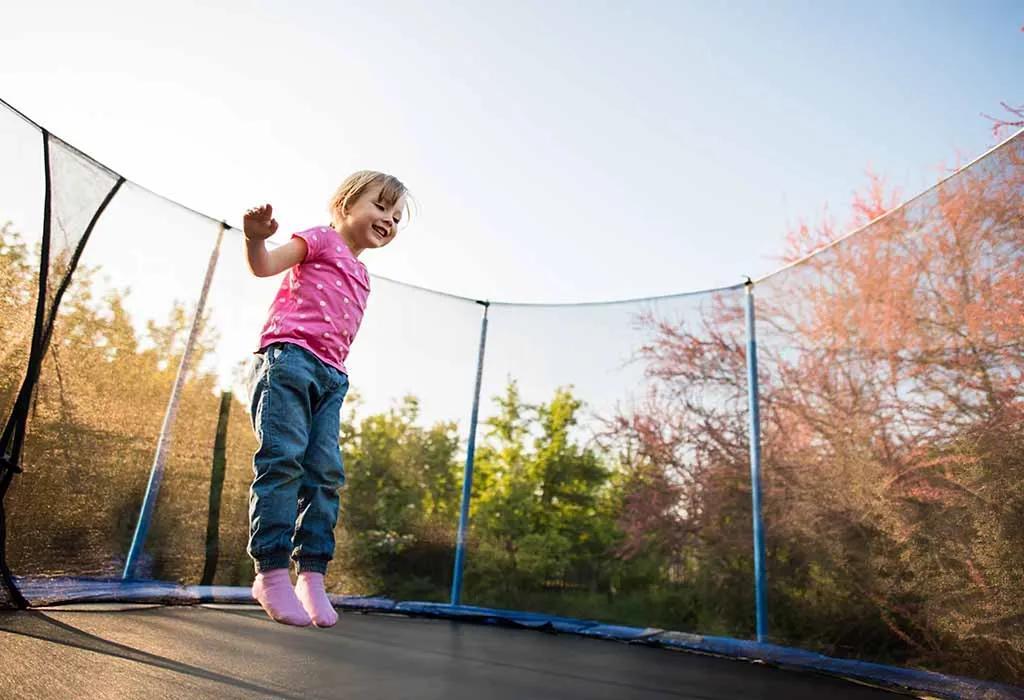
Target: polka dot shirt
(321, 300)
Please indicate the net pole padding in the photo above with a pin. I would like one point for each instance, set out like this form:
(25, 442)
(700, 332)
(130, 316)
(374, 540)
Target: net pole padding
(754, 415)
(216, 490)
(163, 444)
(467, 478)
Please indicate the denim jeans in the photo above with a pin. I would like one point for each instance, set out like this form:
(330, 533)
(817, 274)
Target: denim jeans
(293, 502)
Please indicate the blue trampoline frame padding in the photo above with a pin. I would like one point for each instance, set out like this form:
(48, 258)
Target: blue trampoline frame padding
(64, 591)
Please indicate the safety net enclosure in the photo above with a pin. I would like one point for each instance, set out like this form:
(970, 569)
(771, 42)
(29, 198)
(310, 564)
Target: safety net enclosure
(821, 469)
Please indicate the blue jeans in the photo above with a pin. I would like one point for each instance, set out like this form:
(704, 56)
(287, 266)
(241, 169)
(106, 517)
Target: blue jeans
(293, 502)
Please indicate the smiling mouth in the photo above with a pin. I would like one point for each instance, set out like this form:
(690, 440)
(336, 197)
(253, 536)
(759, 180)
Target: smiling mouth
(380, 231)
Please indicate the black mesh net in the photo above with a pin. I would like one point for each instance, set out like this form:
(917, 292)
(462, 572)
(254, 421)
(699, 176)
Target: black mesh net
(79, 187)
(75, 192)
(893, 416)
(404, 421)
(612, 471)
(21, 226)
(104, 388)
(599, 465)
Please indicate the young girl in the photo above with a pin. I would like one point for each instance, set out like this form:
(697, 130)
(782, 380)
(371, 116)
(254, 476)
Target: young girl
(301, 382)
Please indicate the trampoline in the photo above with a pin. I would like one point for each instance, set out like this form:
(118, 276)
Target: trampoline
(235, 651)
(675, 497)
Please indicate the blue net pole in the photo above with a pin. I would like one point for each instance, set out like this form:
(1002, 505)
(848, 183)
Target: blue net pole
(467, 479)
(156, 473)
(760, 589)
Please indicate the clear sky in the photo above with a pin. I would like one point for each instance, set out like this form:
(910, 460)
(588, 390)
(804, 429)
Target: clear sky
(558, 151)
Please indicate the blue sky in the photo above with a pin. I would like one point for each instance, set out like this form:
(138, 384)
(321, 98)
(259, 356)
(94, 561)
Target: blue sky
(558, 151)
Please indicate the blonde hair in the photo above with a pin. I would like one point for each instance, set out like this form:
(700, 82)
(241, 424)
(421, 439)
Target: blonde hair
(357, 183)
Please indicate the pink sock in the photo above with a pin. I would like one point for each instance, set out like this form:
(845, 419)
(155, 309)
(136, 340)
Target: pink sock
(310, 590)
(273, 590)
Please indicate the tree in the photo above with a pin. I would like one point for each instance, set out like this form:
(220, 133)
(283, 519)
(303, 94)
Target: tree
(891, 374)
(540, 507)
(399, 506)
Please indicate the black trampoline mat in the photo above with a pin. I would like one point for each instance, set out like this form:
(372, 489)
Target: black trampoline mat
(101, 652)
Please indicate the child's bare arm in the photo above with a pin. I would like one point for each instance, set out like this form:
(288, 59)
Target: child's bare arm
(258, 225)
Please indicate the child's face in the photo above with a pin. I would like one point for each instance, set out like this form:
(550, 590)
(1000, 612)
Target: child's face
(369, 223)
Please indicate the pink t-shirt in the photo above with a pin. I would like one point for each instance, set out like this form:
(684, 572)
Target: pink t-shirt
(321, 300)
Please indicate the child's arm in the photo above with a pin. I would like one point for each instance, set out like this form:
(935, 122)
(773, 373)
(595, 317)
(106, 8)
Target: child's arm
(259, 224)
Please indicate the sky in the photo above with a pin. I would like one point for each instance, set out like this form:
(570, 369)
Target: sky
(557, 151)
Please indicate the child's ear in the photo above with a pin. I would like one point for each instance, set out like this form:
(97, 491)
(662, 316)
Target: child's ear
(337, 215)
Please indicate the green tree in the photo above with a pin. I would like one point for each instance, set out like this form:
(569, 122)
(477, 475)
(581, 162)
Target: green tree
(397, 524)
(540, 512)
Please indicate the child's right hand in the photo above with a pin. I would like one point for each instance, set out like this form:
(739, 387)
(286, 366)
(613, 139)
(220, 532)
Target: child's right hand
(259, 223)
